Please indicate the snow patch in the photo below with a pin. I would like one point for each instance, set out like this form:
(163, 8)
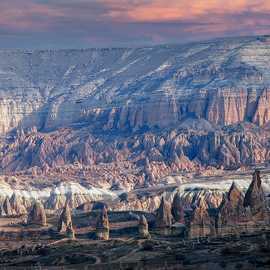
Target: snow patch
(61, 189)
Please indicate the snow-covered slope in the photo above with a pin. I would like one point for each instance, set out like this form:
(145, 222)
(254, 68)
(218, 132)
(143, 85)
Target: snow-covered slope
(65, 189)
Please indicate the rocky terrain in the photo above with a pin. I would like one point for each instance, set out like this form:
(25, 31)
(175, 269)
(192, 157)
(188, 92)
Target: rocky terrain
(124, 157)
(234, 234)
(224, 82)
(130, 117)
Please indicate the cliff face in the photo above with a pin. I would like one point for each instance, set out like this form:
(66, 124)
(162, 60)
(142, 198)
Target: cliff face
(224, 82)
(262, 113)
(65, 105)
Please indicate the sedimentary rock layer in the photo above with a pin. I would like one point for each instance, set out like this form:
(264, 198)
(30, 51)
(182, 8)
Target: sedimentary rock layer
(136, 114)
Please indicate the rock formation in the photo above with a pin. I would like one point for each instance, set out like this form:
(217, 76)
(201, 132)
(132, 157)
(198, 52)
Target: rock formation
(228, 148)
(37, 215)
(232, 212)
(200, 223)
(92, 206)
(163, 217)
(236, 214)
(103, 226)
(178, 209)
(7, 210)
(70, 231)
(221, 91)
(65, 220)
(213, 111)
(255, 198)
(232, 208)
(55, 201)
(2, 211)
(143, 228)
(149, 176)
(262, 114)
(17, 204)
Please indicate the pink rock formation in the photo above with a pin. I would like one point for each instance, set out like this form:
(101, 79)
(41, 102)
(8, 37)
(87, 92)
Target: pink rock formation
(37, 215)
(262, 114)
(70, 231)
(178, 209)
(65, 220)
(17, 204)
(255, 198)
(200, 223)
(143, 228)
(7, 209)
(227, 106)
(163, 215)
(103, 226)
(232, 212)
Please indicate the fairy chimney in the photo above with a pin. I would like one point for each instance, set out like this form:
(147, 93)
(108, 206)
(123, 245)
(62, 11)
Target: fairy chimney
(232, 209)
(103, 226)
(70, 231)
(177, 209)
(163, 215)
(17, 204)
(200, 223)
(64, 219)
(37, 215)
(143, 228)
(255, 198)
(7, 207)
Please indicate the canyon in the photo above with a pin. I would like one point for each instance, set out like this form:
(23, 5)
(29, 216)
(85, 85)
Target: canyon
(89, 125)
(224, 82)
(135, 116)
(148, 150)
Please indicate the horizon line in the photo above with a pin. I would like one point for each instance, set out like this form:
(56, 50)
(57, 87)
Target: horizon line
(202, 41)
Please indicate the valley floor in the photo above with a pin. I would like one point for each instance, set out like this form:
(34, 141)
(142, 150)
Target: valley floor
(247, 252)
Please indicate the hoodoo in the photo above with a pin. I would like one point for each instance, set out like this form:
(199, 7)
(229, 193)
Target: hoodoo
(178, 209)
(70, 231)
(17, 204)
(65, 220)
(37, 215)
(163, 217)
(232, 211)
(7, 210)
(255, 198)
(200, 223)
(103, 226)
(143, 228)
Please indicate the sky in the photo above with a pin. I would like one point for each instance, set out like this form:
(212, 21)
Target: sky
(45, 24)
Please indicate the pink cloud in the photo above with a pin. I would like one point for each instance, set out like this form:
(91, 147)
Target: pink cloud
(129, 21)
(177, 10)
(26, 16)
